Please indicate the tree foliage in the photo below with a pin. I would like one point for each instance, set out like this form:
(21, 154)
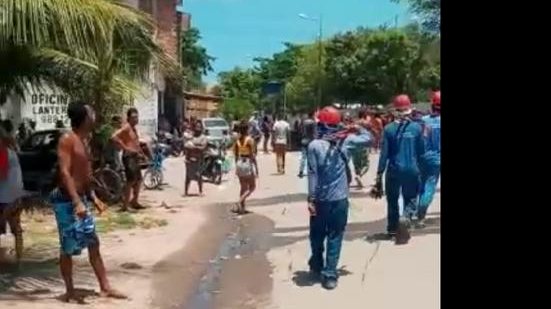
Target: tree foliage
(428, 12)
(195, 60)
(240, 83)
(99, 51)
(372, 66)
(237, 108)
(302, 88)
(281, 67)
(361, 66)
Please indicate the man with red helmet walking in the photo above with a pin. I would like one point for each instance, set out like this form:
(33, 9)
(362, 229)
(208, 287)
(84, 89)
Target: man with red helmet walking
(401, 154)
(431, 162)
(328, 186)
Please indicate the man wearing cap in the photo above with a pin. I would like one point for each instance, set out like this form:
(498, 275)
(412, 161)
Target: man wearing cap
(401, 154)
(328, 186)
(431, 162)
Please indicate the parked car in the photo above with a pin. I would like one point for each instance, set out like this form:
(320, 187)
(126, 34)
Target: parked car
(38, 159)
(216, 129)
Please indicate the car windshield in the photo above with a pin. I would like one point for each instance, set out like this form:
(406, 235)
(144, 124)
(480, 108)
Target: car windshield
(43, 139)
(215, 123)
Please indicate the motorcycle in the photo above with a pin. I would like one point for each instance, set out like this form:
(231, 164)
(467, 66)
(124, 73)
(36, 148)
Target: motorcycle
(176, 145)
(213, 162)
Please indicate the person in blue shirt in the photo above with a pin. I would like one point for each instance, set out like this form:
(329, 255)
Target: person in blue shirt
(255, 129)
(431, 163)
(328, 185)
(401, 154)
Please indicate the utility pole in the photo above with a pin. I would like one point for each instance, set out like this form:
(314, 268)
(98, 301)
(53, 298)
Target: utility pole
(320, 56)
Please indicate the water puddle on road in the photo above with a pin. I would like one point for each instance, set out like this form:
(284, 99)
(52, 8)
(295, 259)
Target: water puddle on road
(223, 266)
(239, 276)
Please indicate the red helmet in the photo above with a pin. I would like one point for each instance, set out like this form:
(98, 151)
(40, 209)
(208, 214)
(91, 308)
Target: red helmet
(436, 99)
(402, 101)
(329, 116)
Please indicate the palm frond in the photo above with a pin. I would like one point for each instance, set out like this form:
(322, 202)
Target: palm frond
(81, 25)
(91, 49)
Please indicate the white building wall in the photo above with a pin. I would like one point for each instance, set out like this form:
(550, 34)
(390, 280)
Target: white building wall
(147, 105)
(46, 106)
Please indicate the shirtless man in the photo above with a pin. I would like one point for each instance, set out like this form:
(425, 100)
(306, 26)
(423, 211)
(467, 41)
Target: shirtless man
(72, 199)
(127, 139)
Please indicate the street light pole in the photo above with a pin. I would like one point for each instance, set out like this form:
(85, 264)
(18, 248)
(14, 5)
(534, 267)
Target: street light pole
(320, 54)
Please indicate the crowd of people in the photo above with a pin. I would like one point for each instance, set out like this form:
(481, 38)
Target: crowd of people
(409, 146)
(409, 161)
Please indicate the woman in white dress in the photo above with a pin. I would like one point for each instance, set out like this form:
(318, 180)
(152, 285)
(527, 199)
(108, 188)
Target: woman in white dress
(11, 189)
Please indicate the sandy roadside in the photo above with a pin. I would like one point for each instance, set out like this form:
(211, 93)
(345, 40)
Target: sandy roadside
(38, 287)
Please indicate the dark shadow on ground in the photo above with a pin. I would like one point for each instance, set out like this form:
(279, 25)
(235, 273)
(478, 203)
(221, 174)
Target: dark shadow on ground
(274, 200)
(81, 295)
(33, 280)
(29, 279)
(372, 231)
(304, 278)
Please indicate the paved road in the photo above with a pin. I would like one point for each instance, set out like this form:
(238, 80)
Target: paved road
(207, 257)
(262, 261)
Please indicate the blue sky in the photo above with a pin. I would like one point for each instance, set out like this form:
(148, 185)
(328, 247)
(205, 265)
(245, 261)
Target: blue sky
(235, 31)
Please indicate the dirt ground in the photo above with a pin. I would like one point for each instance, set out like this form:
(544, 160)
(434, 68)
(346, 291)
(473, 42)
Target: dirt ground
(192, 253)
(131, 246)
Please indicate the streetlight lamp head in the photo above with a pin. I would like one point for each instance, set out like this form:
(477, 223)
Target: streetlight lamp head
(307, 17)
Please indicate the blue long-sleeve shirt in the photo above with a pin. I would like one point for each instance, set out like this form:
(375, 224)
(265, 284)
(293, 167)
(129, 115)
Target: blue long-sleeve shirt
(432, 140)
(327, 180)
(403, 148)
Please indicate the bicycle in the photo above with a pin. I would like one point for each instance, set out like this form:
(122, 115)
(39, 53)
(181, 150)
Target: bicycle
(153, 176)
(108, 184)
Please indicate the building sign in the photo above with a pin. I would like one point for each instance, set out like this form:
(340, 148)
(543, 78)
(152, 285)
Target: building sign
(48, 108)
(45, 106)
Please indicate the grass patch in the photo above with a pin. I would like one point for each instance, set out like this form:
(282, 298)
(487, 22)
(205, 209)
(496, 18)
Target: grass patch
(149, 222)
(41, 229)
(111, 221)
(124, 221)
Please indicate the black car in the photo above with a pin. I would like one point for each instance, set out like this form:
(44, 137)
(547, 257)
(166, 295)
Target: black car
(38, 159)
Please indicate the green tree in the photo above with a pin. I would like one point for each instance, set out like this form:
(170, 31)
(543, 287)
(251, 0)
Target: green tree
(360, 66)
(240, 83)
(237, 108)
(373, 65)
(194, 58)
(302, 88)
(281, 67)
(428, 12)
(96, 50)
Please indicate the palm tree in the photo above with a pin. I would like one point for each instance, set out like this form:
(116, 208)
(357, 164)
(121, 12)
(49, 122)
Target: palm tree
(96, 50)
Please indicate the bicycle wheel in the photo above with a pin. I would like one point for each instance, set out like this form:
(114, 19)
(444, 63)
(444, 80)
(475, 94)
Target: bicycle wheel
(151, 179)
(160, 177)
(217, 174)
(108, 185)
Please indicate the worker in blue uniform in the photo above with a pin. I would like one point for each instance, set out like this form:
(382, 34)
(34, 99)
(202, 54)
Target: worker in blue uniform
(431, 163)
(401, 154)
(329, 177)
